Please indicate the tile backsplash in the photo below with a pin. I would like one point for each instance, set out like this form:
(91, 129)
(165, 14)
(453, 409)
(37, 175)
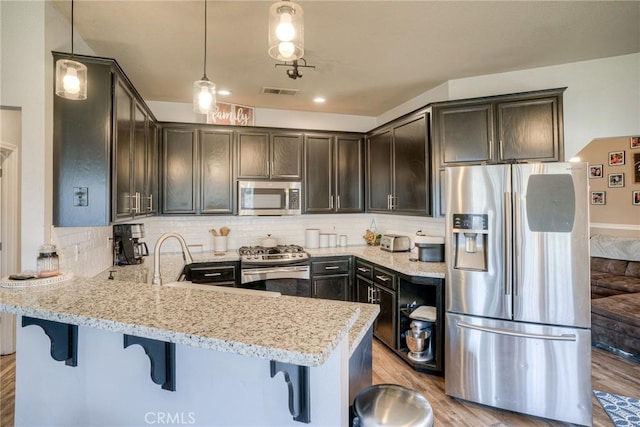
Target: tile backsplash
(88, 250)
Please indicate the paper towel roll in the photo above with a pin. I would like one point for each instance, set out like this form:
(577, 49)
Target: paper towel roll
(312, 238)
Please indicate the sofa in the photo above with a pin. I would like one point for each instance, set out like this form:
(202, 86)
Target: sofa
(615, 294)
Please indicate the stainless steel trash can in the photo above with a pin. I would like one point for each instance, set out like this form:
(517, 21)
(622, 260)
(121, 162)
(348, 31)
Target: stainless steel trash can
(384, 405)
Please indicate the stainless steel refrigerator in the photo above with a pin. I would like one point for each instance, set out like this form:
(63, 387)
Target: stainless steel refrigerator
(518, 312)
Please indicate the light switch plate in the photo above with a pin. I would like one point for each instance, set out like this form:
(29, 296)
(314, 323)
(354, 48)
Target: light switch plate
(80, 196)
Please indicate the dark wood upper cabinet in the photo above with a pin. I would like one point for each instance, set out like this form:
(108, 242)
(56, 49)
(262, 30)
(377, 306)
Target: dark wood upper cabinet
(467, 132)
(509, 128)
(216, 158)
(379, 171)
(179, 170)
(521, 127)
(333, 178)
(253, 155)
(529, 130)
(269, 155)
(102, 148)
(349, 173)
(286, 155)
(196, 170)
(318, 177)
(123, 203)
(397, 167)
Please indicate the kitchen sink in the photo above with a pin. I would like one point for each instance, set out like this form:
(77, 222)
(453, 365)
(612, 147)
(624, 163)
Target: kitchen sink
(223, 289)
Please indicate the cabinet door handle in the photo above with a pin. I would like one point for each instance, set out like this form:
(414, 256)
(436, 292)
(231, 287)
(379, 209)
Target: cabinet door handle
(383, 278)
(490, 149)
(331, 202)
(332, 267)
(338, 204)
(389, 201)
(363, 269)
(136, 203)
(150, 198)
(369, 294)
(212, 274)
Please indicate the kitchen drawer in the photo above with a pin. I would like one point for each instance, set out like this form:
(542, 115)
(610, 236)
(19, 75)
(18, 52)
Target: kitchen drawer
(340, 266)
(385, 278)
(211, 272)
(363, 269)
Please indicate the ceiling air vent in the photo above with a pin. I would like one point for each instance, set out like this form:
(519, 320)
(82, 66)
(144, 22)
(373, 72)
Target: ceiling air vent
(279, 91)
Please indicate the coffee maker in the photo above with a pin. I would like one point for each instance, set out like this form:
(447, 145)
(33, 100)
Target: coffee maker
(128, 248)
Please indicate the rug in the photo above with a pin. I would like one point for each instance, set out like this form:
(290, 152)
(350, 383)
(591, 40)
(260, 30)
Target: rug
(623, 411)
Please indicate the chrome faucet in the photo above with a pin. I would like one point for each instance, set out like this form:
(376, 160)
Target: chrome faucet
(186, 255)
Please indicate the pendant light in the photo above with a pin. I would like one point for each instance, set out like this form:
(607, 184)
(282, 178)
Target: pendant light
(286, 31)
(204, 90)
(71, 76)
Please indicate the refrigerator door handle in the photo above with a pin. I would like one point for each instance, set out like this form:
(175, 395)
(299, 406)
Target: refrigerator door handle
(517, 242)
(563, 337)
(506, 213)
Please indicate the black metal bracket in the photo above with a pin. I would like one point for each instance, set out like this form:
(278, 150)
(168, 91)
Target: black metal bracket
(163, 359)
(63, 336)
(297, 378)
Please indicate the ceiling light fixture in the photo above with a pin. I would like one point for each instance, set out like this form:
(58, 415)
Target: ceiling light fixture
(71, 76)
(319, 100)
(286, 31)
(295, 72)
(204, 90)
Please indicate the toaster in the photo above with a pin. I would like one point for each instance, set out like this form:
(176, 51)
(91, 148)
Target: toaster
(395, 243)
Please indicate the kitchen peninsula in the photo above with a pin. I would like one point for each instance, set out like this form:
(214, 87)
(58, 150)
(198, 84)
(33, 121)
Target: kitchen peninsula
(216, 357)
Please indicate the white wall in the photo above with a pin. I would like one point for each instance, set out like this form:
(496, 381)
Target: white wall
(23, 85)
(602, 97)
(182, 112)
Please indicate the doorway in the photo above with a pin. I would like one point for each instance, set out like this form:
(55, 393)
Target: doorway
(9, 215)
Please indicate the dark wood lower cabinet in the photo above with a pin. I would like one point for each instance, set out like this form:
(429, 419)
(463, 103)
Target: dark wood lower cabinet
(331, 278)
(331, 287)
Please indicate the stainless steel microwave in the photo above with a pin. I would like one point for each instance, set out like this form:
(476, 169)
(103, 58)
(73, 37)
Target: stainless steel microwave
(269, 198)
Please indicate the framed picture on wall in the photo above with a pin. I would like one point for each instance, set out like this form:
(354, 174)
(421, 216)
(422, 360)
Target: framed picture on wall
(595, 171)
(598, 197)
(616, 180)
(636, 198)
(616, 158)
(635, 142)
(636, 167)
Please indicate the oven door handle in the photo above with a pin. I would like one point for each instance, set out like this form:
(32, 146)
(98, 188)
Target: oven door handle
(274, 270)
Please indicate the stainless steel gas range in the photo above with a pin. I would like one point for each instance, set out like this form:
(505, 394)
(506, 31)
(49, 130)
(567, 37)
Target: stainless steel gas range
(282, 268)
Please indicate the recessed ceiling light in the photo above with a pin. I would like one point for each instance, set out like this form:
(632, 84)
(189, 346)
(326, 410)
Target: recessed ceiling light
(319, 100)
(224, 92)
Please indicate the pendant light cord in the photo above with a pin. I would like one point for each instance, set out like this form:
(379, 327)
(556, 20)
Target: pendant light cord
(72, 28)
(205, 42)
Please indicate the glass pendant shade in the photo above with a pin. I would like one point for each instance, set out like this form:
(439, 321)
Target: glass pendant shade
(71, 79)
(286, 31)
(204, 96)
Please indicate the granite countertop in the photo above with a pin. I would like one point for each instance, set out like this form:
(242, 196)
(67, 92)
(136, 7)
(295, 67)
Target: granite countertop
(302, 331)
(398, 261)
(171, 265)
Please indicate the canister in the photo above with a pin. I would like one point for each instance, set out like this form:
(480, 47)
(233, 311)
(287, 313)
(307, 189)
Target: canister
(312, 238)
(48, 262)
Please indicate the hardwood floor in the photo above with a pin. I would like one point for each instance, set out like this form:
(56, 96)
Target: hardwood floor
(7, 389)
(610, 373)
